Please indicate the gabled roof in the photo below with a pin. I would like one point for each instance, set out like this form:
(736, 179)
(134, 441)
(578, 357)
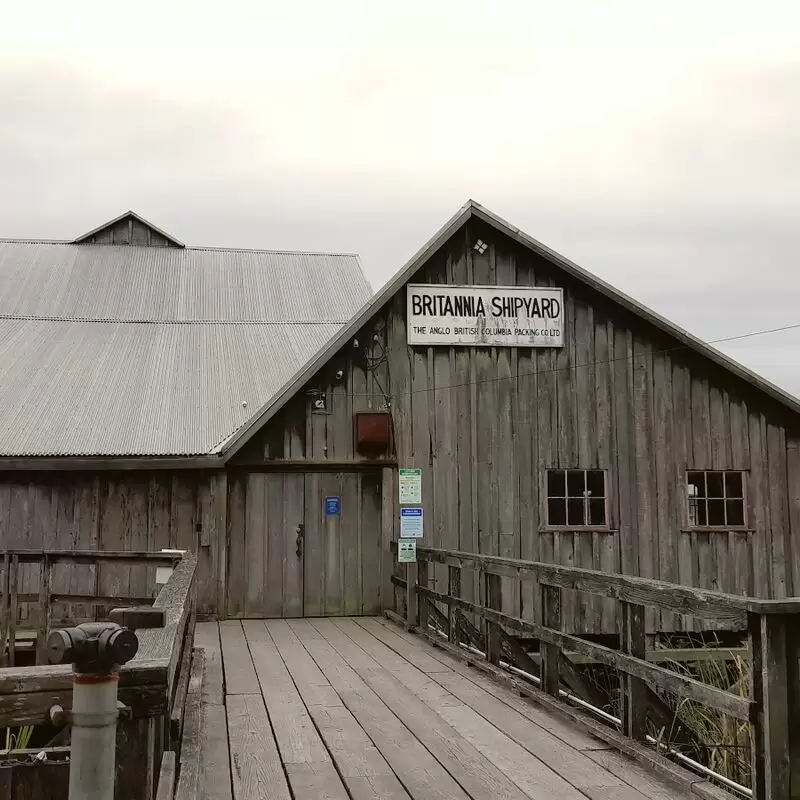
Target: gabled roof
(473, 210)
(113, 350)
(125, 216)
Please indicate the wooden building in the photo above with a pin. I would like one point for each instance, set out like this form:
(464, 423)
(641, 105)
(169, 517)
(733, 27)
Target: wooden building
(555, 420)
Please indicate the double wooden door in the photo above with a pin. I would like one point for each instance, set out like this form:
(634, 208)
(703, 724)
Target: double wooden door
(304, 544)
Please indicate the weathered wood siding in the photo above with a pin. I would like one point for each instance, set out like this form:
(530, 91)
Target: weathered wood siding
(130, 231)
(485, 424)
(115, 511)
(335, 568)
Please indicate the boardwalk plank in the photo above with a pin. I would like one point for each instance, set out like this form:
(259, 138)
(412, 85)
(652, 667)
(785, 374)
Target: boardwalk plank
(298, 740)
(206, 635)
(363, 769)
(486, 732)
(421, 774)
(255, 763)
(215, 760)
(619, 777)
(240, 677)
(404, 642)
(635, 774)
(476, 774)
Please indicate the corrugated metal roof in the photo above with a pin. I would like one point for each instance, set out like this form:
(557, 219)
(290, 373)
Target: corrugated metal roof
(121, 350)
(190, 284)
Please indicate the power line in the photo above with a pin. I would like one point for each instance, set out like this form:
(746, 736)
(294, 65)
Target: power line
(598, 362)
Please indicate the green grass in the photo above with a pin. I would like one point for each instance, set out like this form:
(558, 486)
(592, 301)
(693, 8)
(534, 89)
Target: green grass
(19, 740)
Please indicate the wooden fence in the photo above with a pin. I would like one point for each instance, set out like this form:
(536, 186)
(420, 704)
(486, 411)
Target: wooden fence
(153, 687)
(772, 709)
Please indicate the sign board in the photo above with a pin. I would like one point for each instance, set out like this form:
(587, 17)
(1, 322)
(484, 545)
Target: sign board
(410, 486)
(410, 523)
(407, 551)
(333, 506)
(510, 316)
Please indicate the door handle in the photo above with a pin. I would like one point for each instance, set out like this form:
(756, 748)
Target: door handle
(300, 530)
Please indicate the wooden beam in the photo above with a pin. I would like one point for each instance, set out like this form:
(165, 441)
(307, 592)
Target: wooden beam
(643, 591)
(739, 707)
(633, 690)
(113, 463)
(551, 618)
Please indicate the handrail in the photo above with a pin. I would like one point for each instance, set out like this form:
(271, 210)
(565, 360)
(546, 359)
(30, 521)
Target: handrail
(773, 628)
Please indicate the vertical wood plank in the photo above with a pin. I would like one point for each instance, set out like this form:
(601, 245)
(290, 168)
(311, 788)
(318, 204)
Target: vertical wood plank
(633, 690)
(387, 536)
(256, 532)
(13, 612)
(5, 608)
(780, 571)
(275, 541)
(411, 594)
(372, 544)
(351, 534)
(494, 600)
(314, 565)
(551, 618)
(293, 516)
(237, 550)
(44, 610)
(454, 590)
(758, 505)
(626, 476)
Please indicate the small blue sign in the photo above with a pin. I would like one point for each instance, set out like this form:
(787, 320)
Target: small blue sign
(410, 523)
(333, 506)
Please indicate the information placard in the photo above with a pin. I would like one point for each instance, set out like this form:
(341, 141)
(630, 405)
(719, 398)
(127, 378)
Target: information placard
(410, 487)
(407, 551)
(410, 523)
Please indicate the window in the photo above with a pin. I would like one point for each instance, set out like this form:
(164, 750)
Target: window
(576, 498)
(716, 499)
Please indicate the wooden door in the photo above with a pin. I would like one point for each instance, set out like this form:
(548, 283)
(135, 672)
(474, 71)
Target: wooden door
(342, 543)
(273, 556)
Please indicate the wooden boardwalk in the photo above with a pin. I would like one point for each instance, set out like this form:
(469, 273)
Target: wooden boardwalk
(358, 708)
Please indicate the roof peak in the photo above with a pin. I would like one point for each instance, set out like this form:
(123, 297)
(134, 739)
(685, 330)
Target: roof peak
(107, 230)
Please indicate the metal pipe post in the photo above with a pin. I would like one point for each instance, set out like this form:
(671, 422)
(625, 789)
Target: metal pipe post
(94, 735)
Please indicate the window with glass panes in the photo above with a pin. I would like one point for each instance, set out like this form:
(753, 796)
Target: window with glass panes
(576, 498)
(716, 499)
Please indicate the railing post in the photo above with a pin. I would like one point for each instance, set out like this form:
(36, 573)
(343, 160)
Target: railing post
(551, 618)
(422, 601)
(411, 594)
(633, 691)
(13, 611)
(454, 590)
(775, 735)
(45, 581)
(494, 600)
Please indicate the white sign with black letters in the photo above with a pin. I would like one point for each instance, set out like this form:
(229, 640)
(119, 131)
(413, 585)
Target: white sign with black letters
(510, 316)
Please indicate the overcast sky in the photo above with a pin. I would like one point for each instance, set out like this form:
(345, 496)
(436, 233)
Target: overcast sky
(658, 145)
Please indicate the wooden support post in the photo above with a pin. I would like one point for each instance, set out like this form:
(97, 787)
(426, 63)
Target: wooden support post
(387, 534)
(775, 734)
(4, 607)
(633, 691)
(454, 590)
(45, 581)
(411, 594)
(551, 618)
(423, 602)
(12, 611)
(494, 595)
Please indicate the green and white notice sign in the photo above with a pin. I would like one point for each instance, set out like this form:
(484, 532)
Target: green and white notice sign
(407, 551)
(410, 487)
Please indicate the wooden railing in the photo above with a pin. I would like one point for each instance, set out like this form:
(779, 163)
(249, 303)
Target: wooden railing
(773, 629)
(45, 598)
(153, 687)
